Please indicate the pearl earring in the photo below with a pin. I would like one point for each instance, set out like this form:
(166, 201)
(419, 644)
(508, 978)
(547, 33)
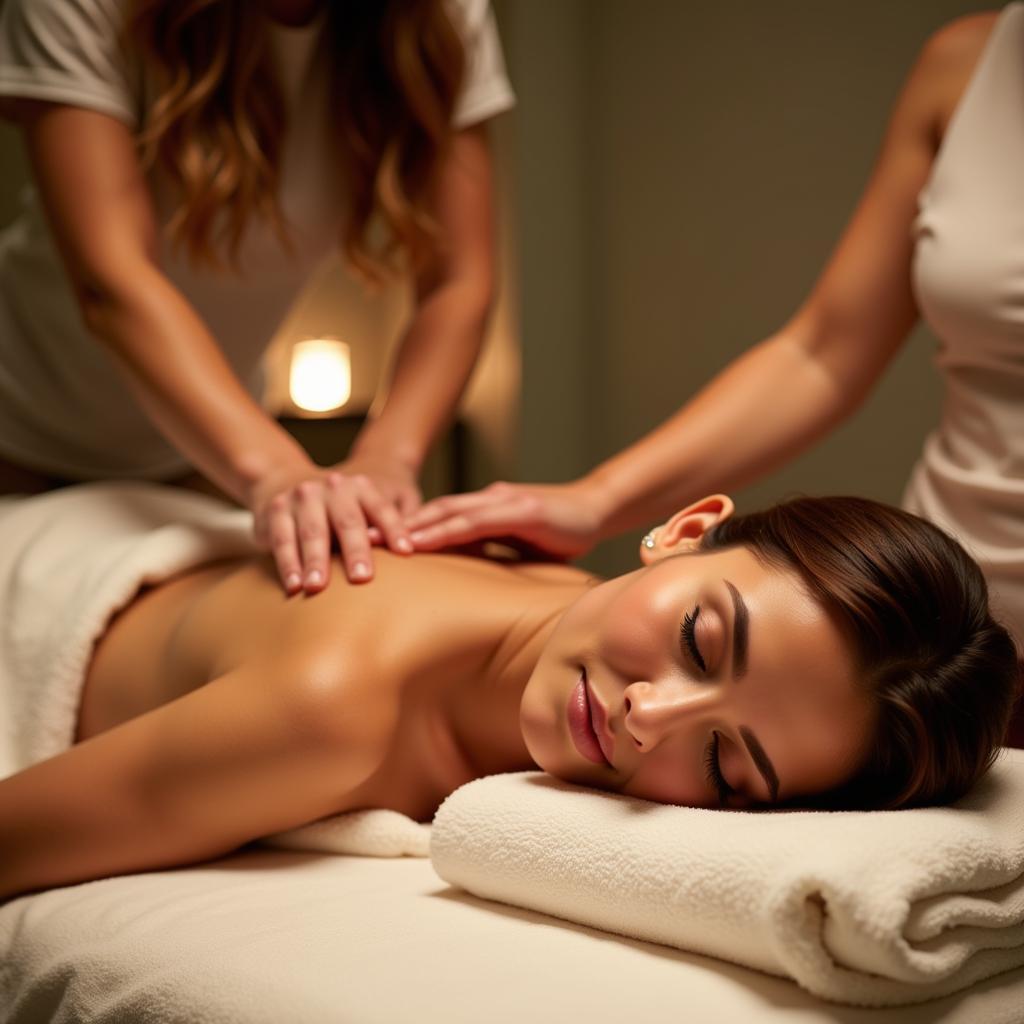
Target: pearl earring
(648, 541)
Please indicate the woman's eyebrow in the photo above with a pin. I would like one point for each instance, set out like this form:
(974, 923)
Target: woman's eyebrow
(740, 631)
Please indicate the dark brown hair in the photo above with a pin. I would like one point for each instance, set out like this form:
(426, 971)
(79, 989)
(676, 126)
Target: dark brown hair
(217, 123)
(914, 608)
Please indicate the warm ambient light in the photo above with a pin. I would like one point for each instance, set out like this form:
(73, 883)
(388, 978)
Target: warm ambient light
(321, 374)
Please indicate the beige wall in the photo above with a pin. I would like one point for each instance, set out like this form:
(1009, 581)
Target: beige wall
(683, 169)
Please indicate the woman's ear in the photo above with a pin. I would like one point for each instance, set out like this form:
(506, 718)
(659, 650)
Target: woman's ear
(684, 531)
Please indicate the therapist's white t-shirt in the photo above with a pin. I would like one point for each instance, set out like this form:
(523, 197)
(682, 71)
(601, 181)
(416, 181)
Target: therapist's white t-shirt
(64, 407)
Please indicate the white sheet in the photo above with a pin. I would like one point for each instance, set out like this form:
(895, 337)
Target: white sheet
(268, 937)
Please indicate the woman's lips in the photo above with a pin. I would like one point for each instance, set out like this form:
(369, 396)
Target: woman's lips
(581, 728)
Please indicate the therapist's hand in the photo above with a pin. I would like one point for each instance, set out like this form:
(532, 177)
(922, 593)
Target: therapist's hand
(388, 493)
(560, 520)
(297, 516)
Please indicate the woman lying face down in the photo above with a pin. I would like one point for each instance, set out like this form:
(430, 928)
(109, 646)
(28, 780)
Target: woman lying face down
(831, 651)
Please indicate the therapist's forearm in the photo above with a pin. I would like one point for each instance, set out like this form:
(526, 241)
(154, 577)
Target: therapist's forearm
(759, 412)
(432, 368)
(180, 377)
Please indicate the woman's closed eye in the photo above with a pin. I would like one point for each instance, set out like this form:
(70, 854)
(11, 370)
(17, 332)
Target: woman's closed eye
(687, 634)
(713, 772)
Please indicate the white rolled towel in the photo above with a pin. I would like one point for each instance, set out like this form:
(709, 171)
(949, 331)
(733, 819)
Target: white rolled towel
(871, 908)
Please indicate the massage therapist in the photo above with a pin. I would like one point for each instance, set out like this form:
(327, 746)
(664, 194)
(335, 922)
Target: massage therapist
(192, 164)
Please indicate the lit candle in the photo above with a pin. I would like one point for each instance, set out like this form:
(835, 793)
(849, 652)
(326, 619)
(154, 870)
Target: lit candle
(320, 378)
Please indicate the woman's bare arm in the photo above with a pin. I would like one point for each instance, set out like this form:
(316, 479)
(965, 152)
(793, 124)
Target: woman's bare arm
(263, 748)
(101, 214)
(453, 298)
(442, 342)
(784, 393)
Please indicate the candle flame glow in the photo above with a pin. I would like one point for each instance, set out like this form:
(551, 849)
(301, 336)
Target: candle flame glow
(320, 378)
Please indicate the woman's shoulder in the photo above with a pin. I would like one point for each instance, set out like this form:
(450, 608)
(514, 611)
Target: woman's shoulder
(555, 574)
(507, 565)
(945, 64)
(955, 46)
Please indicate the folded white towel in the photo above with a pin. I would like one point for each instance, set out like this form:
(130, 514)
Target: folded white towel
(870, 908)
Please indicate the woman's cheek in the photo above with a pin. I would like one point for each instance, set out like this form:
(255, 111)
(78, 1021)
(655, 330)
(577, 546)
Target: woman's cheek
(537, 720)
(632, 636)
(666, 782)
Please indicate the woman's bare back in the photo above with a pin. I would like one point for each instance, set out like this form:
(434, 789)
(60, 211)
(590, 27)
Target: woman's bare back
(402, 646)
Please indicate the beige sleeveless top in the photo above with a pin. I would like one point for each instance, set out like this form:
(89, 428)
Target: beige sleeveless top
(969, 280)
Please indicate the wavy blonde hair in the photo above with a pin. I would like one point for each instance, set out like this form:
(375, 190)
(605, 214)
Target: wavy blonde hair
(218, 121)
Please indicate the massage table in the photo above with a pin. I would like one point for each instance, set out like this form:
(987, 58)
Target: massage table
(280, 937)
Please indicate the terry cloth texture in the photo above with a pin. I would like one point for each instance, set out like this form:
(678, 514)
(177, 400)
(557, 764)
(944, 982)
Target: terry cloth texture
(871, 908)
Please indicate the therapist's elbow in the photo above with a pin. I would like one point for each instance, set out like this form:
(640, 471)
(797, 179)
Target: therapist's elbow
(108, 298)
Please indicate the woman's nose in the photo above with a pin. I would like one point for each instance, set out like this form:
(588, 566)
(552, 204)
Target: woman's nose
(655, 710)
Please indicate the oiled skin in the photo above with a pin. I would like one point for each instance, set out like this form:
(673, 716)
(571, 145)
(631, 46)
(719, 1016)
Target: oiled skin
(216, 710)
